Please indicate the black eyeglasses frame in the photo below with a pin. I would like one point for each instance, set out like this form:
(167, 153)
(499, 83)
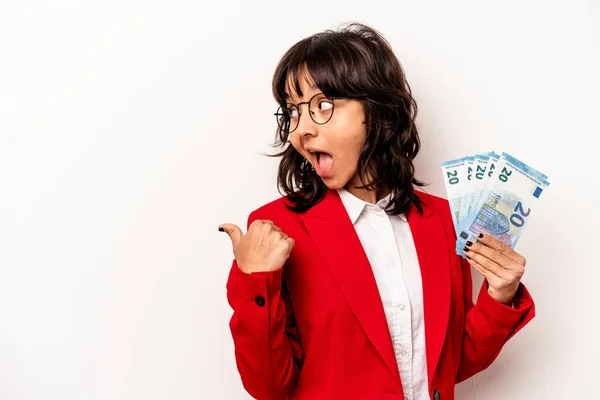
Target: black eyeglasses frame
(333, 98)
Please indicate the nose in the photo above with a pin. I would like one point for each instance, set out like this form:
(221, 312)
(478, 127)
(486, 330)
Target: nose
(306, 125)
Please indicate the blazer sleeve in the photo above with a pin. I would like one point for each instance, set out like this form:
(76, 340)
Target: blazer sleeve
(268, 352)
(489, 324)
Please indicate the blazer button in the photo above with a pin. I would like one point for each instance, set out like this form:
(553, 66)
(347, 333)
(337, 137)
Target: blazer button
(436, 395)
(260, 301)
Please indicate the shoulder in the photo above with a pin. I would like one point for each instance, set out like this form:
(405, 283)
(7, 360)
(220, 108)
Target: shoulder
(439, 205)
(436, 202)
(274, 210)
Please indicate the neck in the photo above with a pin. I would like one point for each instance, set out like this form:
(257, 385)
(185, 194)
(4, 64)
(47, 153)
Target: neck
(370, 196)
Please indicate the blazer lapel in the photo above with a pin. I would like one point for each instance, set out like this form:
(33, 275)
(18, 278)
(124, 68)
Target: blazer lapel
(330, 227)
(432, 249)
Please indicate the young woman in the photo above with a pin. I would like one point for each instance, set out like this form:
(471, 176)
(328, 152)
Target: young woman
(349, 286)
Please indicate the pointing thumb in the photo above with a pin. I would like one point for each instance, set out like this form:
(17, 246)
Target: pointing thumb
(234, 232)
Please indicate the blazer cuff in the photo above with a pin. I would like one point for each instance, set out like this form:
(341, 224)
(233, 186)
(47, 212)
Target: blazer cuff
(506, 316)
(243, 287)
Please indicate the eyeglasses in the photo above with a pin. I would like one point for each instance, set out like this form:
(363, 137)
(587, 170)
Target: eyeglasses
(320, 109)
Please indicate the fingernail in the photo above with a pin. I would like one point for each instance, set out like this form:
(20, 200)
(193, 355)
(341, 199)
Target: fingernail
(467, 256)
(221, 230)
(465, 248)
(480, 235)
(469, 243)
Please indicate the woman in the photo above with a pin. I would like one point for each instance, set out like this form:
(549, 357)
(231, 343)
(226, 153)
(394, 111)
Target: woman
(349, 287)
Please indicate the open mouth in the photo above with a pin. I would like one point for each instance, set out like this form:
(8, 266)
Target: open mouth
(316, 156)
(323, 163)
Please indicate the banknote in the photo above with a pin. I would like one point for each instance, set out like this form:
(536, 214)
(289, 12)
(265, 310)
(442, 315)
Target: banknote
(494, 158)
(455, 175)
(465, 187)
(470, 198)
(505, 205)
(486, 167)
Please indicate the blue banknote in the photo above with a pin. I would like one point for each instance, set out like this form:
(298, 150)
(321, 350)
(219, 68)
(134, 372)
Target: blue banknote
(505, 205)
(455, 177)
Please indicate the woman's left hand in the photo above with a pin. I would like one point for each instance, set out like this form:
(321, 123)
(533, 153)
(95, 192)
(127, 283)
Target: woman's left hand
(501, 266)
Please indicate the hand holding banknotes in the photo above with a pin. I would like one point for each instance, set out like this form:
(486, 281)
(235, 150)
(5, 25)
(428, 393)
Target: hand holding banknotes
(491, 199)
(501, 266)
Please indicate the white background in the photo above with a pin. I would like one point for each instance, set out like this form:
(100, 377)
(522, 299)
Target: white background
(129, 130)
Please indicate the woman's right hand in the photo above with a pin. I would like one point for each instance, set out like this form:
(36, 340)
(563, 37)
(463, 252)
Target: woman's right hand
(263, 248)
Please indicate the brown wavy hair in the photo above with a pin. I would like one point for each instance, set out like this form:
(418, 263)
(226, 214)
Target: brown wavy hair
(357, 62)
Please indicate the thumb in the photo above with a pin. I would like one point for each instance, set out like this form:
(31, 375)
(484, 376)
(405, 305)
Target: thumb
(234, 232)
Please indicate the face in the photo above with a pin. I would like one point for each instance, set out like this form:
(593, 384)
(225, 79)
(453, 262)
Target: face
(343, 136)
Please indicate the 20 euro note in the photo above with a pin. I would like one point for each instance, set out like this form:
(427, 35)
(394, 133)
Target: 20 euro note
(483, 170)
(505, 157)
(466, 188)
(476, 176)
(455, 178)
(506, 205)
(483, 175)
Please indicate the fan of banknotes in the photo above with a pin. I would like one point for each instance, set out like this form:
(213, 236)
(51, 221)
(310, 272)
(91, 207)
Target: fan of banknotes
(493, 194)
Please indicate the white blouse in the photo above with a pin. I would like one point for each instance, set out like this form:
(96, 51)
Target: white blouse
(388, 243)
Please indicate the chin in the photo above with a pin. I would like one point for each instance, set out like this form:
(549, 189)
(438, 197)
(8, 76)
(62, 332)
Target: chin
(333, 183)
